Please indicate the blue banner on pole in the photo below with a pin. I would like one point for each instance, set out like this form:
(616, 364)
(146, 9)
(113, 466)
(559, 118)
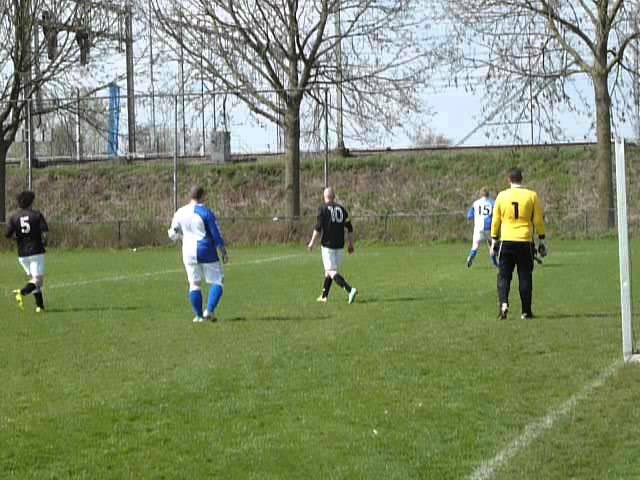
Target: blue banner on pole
(114, 119)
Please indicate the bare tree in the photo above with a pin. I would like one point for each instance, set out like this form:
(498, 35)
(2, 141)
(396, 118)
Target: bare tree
(289, 47)
(42, 45)
(525, 52)
(426, 137)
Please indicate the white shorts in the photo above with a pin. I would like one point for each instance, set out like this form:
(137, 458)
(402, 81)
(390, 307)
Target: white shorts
(332, 259)
(211, 272)
(33, 265)
(480, 236)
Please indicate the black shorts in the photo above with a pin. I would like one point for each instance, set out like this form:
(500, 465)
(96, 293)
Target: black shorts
(512, 254)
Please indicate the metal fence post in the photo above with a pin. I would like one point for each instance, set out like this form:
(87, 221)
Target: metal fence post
(326, 137)
(586, 222)
(175, 154)
(30, 144)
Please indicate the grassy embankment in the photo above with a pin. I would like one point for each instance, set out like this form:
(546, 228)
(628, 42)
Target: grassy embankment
(130, 204)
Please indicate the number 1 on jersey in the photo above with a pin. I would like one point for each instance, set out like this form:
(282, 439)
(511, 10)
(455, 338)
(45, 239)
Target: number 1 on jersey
(516, 209)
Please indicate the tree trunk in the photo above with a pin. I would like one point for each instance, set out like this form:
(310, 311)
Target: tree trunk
(292, 171)
(604, 214)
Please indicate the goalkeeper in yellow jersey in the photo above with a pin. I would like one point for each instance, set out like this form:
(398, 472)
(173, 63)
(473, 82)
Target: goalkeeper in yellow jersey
(516, 215)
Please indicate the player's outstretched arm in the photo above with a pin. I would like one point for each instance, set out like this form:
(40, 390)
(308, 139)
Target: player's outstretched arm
(542, 247)
(312, 242)
(493, 247)
(350, 247)
(223, 254)
(11, 229)
(471, 213)
(175, 231)
(538, 216)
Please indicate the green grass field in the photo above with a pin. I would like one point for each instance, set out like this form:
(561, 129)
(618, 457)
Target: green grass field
(418, 379)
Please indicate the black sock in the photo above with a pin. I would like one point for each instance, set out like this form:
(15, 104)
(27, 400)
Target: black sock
(28, 288)
(326, 287)
(39, 298)
(342, 282)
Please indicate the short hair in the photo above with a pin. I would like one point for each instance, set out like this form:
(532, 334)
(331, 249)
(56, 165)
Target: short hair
(484, 192)
(197, 193)
(515, 175)
(26, 198)
(329, 193)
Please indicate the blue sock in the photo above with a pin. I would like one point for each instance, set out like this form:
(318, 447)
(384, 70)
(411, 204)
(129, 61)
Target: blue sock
(195, 297)
(214, 298)
(473, 253)
(494, 259)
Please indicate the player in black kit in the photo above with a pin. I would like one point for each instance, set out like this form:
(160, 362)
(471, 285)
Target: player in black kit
(29, 228)
(332, 221)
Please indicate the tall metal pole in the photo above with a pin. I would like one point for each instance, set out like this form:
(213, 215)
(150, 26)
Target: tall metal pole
(153, 90)
(30, 145)
(78, 127)
(326, 137)
(131, 99)
(204, 132)
(339, 120)
(175, 153)
(27, 95)
(181, 66)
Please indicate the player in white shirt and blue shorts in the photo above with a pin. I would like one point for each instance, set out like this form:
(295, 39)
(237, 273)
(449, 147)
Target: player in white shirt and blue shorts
(197, 227)
(481, 212)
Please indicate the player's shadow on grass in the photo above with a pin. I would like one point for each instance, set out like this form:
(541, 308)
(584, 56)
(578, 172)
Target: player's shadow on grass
(393, 299)
(279, 318)
(563, 316)
(291, 318)
(93, 309)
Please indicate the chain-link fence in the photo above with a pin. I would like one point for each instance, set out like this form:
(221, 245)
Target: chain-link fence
(112, 179)
(69, 149)
(89, 128)
(388, 227)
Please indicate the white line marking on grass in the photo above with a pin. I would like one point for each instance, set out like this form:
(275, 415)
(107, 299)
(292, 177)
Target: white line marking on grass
(118, 278)
(536, 429)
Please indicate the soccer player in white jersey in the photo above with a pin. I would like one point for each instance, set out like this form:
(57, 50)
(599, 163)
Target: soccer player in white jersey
(481, 212)
(197, 227)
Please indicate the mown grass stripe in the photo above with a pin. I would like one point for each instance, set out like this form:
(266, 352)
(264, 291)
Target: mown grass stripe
(536, 429)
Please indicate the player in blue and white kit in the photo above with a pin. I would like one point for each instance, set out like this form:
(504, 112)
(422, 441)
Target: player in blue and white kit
(198, 229)
(481, 212)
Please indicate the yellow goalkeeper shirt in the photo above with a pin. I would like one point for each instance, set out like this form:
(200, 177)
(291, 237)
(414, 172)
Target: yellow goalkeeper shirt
(517, 212)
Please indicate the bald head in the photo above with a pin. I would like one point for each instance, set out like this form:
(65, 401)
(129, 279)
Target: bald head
(329, 195)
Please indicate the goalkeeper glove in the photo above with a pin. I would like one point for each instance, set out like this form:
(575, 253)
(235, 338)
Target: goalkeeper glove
(542, 249)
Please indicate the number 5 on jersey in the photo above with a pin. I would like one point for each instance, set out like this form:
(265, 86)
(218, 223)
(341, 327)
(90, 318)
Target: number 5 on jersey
(25, 227)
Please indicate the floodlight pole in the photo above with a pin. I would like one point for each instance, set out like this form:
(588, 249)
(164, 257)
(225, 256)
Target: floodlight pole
(623, 252)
